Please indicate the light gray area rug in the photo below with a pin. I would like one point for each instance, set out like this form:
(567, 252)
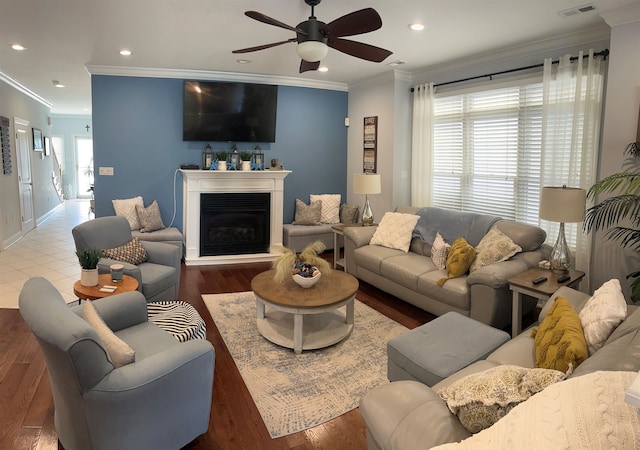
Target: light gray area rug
(297, 392)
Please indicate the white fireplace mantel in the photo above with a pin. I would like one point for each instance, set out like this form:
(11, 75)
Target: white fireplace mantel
(196, 182)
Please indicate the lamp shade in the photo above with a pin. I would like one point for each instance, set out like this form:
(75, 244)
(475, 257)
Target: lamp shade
(312, 51)
(364, 183)
(562, 204)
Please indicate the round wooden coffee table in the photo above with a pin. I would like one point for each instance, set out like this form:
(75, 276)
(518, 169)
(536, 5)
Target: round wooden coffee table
(127, 284)
(305, 319)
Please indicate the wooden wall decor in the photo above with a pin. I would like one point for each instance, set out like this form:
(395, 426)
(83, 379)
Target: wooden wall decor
(5, 144)
(370, 157)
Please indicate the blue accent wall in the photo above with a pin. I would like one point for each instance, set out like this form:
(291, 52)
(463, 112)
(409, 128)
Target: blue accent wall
(137, 130)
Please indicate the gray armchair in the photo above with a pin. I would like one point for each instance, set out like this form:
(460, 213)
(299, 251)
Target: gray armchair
(158, 277)
(160, 401)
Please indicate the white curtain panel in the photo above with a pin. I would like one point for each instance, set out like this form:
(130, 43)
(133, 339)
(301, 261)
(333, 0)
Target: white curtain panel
(572, 105)
(422, 145)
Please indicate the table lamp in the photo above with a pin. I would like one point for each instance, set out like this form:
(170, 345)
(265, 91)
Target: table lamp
(366, 183)
(564, 205)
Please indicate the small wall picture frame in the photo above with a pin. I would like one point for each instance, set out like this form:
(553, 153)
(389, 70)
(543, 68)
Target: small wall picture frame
(38, 145)
(47, 146)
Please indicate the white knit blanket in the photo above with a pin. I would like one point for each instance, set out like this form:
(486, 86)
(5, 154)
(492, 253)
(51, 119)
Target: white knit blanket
(587, 412)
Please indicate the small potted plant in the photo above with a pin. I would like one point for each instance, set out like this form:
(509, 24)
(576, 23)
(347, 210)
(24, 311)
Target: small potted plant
(246, 160)
(88, 260)
(307, 264)
(222, 160)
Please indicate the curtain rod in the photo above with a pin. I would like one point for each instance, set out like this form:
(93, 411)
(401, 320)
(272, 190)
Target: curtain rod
(604, 53)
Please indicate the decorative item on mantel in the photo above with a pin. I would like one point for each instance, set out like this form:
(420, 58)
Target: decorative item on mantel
(222, 160)
(307, 264)
(258, 159)
(208, 156)
(234, 158)
(245, 156)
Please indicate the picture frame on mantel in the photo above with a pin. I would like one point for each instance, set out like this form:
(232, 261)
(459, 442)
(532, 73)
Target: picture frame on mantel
(38, 145)
(370, 143)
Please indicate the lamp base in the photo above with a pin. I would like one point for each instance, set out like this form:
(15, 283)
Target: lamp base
(560, 254)
(367, 213)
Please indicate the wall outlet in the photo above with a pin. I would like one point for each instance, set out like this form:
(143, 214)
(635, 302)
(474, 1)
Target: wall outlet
(105, 171)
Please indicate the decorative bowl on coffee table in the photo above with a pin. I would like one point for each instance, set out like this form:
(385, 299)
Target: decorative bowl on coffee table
(306, 282)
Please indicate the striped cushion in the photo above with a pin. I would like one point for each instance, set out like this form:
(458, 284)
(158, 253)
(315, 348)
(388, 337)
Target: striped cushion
(177, 318)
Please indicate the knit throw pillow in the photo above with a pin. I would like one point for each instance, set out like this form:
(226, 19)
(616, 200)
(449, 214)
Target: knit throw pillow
(132, 252)
(307, 214)
(330, 207)
(439, 252)
(395, 231)
(559, 340)
(494, 247)
(120, 353)
(459, 260)
(150, 219)
(127, 208)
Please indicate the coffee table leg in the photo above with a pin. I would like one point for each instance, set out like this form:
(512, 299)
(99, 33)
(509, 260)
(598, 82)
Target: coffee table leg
(297, 333)
(350, 311)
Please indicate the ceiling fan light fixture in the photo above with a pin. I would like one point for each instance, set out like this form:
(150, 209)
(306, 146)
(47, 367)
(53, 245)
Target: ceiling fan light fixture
(312, 51)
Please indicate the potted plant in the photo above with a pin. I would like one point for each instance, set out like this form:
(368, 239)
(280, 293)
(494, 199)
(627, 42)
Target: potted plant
(284, 264)
(88, 260)
(246, 160)
(622, 207)
(222, 160)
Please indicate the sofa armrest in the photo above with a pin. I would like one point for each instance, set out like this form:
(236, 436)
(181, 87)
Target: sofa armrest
(359, 235)
(121, 310)
(496, 275)
(409, 415)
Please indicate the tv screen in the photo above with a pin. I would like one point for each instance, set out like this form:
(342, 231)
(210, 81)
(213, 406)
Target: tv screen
(238, 112)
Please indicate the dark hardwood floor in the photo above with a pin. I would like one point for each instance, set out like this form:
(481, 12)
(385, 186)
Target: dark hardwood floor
(26, 415)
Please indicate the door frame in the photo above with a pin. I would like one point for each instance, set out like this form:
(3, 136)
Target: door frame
(25, 227)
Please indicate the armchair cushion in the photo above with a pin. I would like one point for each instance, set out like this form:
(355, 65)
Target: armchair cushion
(120, 353)
(132, 252)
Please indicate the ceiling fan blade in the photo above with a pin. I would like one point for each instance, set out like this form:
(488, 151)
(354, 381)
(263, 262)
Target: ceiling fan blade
(357, 22)
(306, 66)
(359, 50)
(271, 21)
(262, 47)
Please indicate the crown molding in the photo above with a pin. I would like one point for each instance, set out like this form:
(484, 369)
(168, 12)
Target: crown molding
(214, 76)
(381, 78)
(621, 16)
(26, 91)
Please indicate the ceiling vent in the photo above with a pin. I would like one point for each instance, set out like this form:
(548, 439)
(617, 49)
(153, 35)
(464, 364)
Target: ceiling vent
(577, 11)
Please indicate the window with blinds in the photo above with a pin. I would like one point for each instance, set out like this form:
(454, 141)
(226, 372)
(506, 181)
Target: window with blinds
(487, 152)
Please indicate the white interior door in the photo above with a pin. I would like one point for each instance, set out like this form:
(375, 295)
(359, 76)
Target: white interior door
(84, 167)
(25, 182)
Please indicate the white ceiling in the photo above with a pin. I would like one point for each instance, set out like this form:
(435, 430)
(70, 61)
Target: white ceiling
(63, 37)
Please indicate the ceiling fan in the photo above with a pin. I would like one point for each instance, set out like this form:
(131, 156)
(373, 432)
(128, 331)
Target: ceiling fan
(314, 37)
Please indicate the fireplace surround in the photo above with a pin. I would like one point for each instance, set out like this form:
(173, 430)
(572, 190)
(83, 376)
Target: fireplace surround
(199, 182)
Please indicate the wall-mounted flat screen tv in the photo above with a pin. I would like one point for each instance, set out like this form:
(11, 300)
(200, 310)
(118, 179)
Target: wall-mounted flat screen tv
(221, 111)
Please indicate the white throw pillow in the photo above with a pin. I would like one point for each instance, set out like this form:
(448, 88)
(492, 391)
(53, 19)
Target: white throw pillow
(439, 252)
(120, 353)
(395, 231)
(330, 207)
(127, 209)
(602, 313)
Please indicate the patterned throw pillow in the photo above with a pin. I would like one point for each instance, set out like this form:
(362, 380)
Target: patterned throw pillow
(307, 214)
(127, 209)
(120, 353)
(495, 246)
(330, 207)
(348, 214)
(132, 252)
(150, 219)
(559, 341)
(459, 260)
(602, 313)
(439, 252)
(395, 231)
(481, 399)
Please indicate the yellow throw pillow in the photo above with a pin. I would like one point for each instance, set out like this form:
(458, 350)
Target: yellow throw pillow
(559, 340)
(459, 260)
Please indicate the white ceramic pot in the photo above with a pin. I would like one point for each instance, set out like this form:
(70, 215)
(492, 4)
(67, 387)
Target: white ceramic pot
(246, 165)
(222, 165)
(89, 277)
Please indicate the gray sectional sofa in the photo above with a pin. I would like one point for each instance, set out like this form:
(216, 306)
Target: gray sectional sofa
(483, 295)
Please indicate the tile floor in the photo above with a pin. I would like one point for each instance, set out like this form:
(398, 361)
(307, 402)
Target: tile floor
(47, 251)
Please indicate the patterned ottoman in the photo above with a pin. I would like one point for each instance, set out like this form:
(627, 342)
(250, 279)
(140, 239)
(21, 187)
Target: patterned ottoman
(177, 318)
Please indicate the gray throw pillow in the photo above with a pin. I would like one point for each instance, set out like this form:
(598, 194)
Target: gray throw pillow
(308, 214)
(348, 214)
(150, 219)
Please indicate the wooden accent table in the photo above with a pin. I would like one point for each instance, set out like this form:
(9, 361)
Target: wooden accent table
(305, 319)
(521, 284)
(127, 284)
(338, 230)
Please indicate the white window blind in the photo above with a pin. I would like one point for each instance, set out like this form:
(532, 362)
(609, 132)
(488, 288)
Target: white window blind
(487, 152)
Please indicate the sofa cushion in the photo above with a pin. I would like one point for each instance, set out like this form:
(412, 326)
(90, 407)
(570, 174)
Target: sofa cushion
(370, 257)
(405, 269)
(494, 247)
(395, 230)
(307, 214)
(127, 208)
(559, 340)
(481, 399)
(330, 207)
(439, 252)
(132, 252)
(120, 353)
(602, 313)
(621, 354)
(454, 293)
(150, 218)
(459, 260)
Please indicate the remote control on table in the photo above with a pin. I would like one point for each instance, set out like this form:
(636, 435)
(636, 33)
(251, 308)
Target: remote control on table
(564, 278)
(539, 280)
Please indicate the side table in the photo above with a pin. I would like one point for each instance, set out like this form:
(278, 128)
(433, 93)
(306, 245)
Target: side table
(127, 284)
(338, 230)
(521, 284)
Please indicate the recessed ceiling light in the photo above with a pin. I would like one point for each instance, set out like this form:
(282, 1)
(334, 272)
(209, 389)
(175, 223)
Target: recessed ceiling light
(18, 47)
(125, 52)
(397, 63)
(323, 69)
(243, 61)
(416, 26)
(57, 84)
